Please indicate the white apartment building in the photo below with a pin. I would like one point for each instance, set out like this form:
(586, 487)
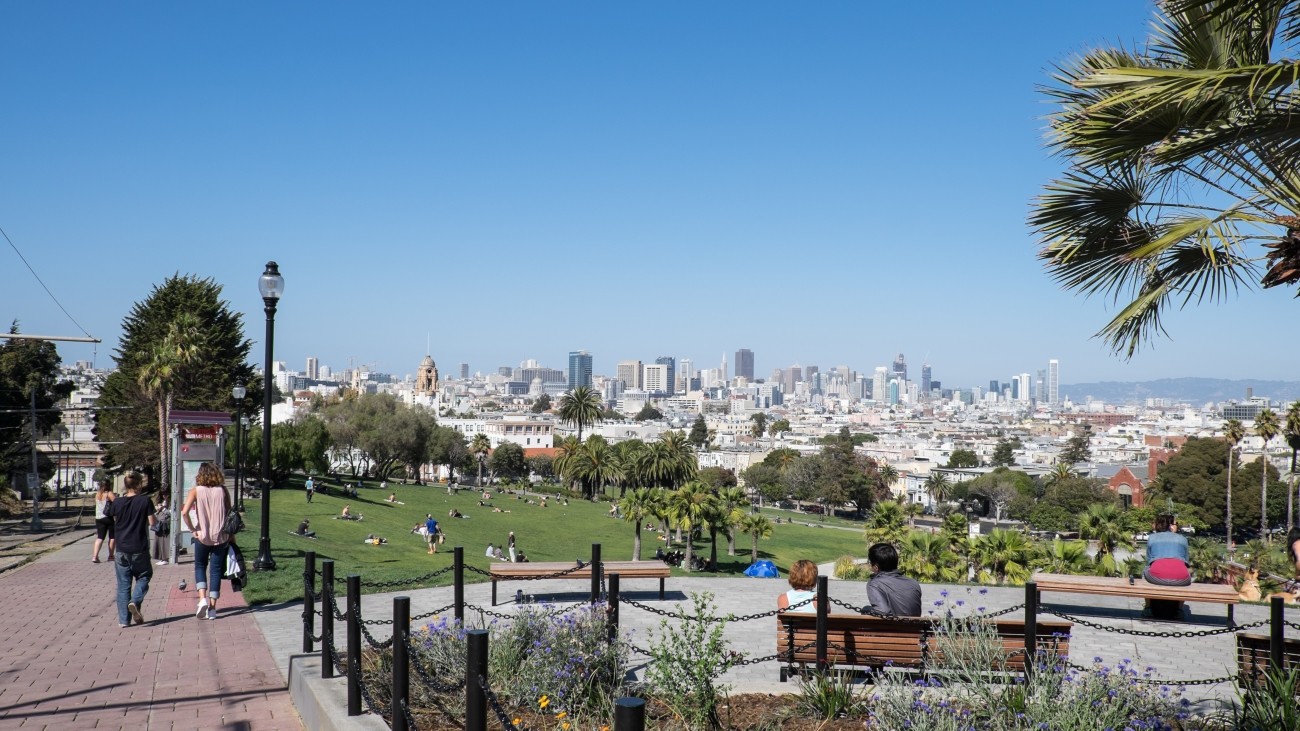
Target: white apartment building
(655, 378)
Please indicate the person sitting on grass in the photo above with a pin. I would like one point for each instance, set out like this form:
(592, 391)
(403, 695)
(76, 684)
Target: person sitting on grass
(454, 513)
(499, 510)
(803, 578)
(302, 529)
(346, 514)
(373, 540)
(392, 498)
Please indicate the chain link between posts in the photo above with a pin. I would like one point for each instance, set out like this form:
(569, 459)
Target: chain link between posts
(500, 712)
(399, 583)
(429, 680)
(1159, 681)
(410, 720)
(1045, 609)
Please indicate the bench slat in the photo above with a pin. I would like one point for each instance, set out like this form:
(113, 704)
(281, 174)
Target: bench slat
(1140, 588)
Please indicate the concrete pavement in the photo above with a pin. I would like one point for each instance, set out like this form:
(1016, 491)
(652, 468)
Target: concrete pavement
(66, 665)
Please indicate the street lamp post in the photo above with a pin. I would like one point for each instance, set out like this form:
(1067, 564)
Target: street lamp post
(241, 454)
(238, 392)
(271, 286)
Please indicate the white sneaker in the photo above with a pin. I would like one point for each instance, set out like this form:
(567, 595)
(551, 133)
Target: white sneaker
(202, 611)
(212, 612)
(159, 563)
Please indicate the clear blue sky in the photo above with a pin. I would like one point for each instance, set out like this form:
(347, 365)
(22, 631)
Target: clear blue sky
(828, 183)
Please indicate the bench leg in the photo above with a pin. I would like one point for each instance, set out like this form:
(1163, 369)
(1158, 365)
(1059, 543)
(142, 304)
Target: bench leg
(1231, 622)
(661, 593)
(494, 592)
(784, 675)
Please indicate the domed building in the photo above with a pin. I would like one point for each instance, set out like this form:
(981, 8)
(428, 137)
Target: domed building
(426, 378)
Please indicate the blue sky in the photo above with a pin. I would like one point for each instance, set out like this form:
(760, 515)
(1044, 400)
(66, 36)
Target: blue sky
(828, 183)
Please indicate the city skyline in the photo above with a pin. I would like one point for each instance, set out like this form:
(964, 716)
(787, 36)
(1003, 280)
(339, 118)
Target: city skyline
(506, 187)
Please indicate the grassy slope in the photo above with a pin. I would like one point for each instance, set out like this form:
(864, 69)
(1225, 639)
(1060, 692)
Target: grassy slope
(556, 533)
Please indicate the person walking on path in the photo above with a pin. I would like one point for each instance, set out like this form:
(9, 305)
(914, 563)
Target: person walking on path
(161, 530)
(207, 505)
(133, 515)
(310, 485)
(431, 533)
(103, 522)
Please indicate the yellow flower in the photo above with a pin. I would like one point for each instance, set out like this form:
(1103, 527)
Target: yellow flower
(565, 726)
(561, 714)
(543, 702)
(604, 728)
(515, 722)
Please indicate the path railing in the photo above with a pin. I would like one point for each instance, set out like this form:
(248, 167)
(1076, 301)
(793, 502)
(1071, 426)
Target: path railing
(629, 712)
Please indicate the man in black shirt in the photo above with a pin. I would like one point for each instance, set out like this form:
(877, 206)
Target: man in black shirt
(133, 515)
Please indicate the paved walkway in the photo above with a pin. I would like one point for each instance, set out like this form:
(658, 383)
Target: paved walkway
(66, 665)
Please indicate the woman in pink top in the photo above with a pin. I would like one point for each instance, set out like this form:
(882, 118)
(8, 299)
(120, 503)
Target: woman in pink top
(205, 513)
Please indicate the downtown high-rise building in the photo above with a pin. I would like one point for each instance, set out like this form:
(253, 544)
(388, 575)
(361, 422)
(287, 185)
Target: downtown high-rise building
(671, 362)
(925, 380)
(880, 384)
(899, 370)
(655, 379)
(793, 375)
(1053, 382)
(745, 364)
(1023, 392)
(686, 372)
(579, 369)
(628, 372)
(464, 371)
(313, 369)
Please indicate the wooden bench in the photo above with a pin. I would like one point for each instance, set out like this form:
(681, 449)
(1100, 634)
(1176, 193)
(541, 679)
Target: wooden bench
(1254, 658)
(546, 569)
(871, 642)
(1139, 588)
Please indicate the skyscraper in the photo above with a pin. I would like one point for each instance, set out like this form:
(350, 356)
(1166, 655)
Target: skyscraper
(656, 378)
(880, 384)
(745, 364)
(671, 362)
(629, 373)
(900, 368)
(687, 367)
(1053, 382)
(925, 380)
(579, 369)
(1024, 394)
(313, 369)
(464, 371)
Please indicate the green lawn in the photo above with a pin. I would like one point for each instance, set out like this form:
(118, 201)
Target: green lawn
(556, 533)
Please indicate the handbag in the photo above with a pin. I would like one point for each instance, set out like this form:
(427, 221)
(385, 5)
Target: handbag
(234, 523)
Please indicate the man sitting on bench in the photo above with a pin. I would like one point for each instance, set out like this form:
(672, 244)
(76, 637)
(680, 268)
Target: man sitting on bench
(890, 593)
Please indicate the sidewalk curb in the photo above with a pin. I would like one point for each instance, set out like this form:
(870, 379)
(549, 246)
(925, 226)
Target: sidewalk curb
(322, 703)
(45, 549)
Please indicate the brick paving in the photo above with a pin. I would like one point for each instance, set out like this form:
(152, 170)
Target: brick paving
(66, 665)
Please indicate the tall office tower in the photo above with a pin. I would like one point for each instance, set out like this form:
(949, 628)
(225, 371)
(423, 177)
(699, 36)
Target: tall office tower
(629, 372)
(313, 369)
(893, 391)
(1023, 392)
(880, 384)
(671, 362)
(656, 379)
(1015, 389)
(793, 375)
(723, 370)
(464, 371)
(900, 368)
(745, 364)
(925, 381)
(325, 373)
(506, 371)
(995, 387)
(1053, 382)
(579, 369)
(1040, 386)
(686, 372)
(777, 377)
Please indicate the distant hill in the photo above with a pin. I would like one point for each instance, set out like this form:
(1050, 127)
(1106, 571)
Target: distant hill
(1196, 391)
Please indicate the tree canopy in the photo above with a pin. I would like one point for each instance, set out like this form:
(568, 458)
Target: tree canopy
(27, 366)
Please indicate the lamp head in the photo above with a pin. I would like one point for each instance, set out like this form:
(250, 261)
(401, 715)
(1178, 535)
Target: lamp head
(271, 284)
(243, 421)
(239, 392)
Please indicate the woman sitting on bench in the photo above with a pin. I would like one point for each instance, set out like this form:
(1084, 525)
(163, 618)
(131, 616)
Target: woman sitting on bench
(1167, 558)
(803, 577)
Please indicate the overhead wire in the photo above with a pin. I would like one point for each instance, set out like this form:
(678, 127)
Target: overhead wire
(14, 246)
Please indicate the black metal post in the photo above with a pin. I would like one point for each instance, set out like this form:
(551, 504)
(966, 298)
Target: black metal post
(613, 608)
(309, 601)
(458, 580)
(354, 645)
(595, 572)
(1276, 631)
(823, 605)
(239, 466)
(264, 562)
(327, 618)
(476, 666)
(1031, 627)
(629, 714)
(401, 662)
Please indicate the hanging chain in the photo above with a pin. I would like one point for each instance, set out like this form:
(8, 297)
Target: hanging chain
(1141, 633)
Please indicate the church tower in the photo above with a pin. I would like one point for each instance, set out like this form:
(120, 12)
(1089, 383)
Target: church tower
(426, 378)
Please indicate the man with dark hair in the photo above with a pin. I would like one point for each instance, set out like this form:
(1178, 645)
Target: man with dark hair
(133, 516)
(889, 592)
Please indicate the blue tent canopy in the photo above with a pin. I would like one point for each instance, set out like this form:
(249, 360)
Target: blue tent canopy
(763, 570)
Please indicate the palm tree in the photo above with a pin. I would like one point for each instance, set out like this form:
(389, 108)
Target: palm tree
(887, 475)
(887, 523)
(1065, 557)
(1003, 555)
(757, 526)
(163, 371)
(595, 465)
(929, 557)
(1208, 563)
(581, 406)
(480, 446)
(734, 501)
(636, 507)
(1178, 156)
(684, 465)
(1233, 433)
(1060, 473)
(566, 461)
(627, 457)
(938, 488)
(689, 507)
(1266, 427)
(1293, 441)
(1105, 524)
